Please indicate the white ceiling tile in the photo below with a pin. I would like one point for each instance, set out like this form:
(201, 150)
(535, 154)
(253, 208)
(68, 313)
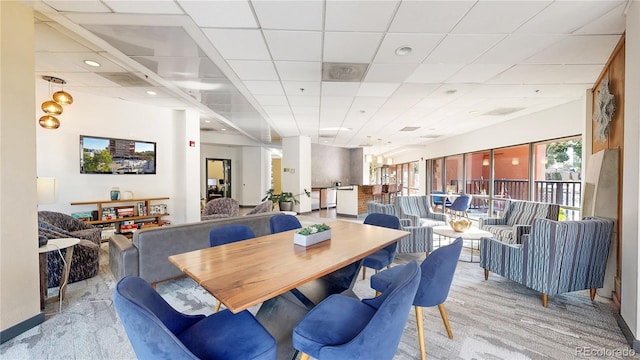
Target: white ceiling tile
(238, 43)
(289, 15)
(55, 62)
(581, 74)
(421, 45)
(336, 102)
(273, 100)
(610, 23)
(433, 73)
(577, 49)
(393, 73)
(330, 88)
(462, 49)
(48, 40)
(350, 47)
(564, 17)
(264, 87)
(145, 7)
(254, 70)
(429, 16)
(410, 90)
(229, 14)
(294, 45)
(517, 47)
(80, 79)
(358, 15)
(549, 74)
(306, 101)
(477, 73)
(498, 17)
(377, 89)
(274, 110)
(299, 71)
(86, 6)
(301, 88)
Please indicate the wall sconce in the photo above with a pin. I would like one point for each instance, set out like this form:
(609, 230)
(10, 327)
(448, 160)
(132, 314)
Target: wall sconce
(368, 158)
(389, 161)
(485, 162)
(380, 160)
(515, 161)
(54, 107)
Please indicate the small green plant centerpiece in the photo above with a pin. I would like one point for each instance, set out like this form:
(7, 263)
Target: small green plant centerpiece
(312, 234)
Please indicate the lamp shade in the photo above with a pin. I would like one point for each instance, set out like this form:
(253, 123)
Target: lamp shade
(46, 190)
(49, 122)
(368, 158)
(380, 160)
(51, 107)
(485, 162)
(389, 161)
(62, 97)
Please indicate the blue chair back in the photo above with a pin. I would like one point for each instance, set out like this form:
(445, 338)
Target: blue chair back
(151, 324)
(379, 339)
(283, 222)
(437, 274)
(439, 200)
(229, 233)
(461, 203)
(388, 221)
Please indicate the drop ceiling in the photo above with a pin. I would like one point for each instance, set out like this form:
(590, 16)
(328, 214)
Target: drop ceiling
(330, 69)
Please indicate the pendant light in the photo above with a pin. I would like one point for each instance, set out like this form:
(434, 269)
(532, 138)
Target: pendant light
(54, 107)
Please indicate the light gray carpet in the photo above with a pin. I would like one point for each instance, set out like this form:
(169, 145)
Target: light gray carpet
(495, 319)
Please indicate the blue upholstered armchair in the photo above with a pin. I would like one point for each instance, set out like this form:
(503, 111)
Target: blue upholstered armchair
(421, 239)
(517, 219)
(556, 257)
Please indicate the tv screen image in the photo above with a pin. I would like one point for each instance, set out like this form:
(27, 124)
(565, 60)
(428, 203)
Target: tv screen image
(100, 155)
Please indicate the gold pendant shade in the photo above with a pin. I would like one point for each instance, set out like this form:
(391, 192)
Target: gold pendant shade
(54, 107)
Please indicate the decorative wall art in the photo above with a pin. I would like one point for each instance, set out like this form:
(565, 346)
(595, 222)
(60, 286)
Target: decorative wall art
(603, 113)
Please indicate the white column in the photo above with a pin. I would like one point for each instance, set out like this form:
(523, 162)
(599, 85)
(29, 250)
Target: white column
(186, 163)
(296, 169)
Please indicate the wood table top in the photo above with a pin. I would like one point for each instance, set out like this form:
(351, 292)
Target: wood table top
(246, 273)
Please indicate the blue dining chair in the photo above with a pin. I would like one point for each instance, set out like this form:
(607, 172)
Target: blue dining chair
(283, 222)
(228, 234)
(440, 201)
(437, 274)
(157, 331)
(385, 256)
(342, 327)
(460, 206)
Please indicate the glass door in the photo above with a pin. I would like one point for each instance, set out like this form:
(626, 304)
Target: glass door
(218, 178)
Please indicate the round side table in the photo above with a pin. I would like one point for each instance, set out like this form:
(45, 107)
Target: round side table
(55, 245)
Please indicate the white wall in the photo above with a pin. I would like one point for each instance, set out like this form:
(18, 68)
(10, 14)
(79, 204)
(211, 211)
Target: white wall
(560, 121)
(253, 187)
(296, 155)
(58, 151)
(631, 183)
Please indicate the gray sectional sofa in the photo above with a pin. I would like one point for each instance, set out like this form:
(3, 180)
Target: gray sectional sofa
(146, 254)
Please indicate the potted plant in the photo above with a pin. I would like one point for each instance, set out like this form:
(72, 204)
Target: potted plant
(312, 234)
(286, 200)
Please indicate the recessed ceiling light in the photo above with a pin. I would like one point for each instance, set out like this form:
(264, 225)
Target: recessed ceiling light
(325, 141)
(92, 63)
(223, 129)
(151, 92)
(403, 50)
(474, 112)
(207, 121)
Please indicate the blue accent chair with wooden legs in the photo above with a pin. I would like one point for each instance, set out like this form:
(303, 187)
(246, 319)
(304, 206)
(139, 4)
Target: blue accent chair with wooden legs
(283, 222)
(157, 331)
(342, 327)
(385, 256)
(437, 272)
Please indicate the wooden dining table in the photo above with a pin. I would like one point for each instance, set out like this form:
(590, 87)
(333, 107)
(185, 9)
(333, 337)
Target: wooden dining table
(287, 279)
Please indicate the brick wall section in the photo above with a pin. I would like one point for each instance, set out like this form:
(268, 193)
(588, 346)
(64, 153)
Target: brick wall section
(365, 194)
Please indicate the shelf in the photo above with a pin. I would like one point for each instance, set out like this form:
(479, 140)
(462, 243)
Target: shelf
(94, 222)
(117, 201)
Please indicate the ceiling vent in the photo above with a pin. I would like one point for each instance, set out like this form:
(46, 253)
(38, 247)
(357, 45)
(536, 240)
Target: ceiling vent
(343, 72)
(503, 111)
(410, 128)
(124, 79)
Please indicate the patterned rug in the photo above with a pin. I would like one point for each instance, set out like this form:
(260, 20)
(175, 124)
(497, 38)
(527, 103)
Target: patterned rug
(494, 319)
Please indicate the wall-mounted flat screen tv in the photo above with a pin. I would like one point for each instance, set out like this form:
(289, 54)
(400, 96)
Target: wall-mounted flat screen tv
(100, 155)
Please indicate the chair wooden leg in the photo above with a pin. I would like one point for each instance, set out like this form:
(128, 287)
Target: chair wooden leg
(426, 253)
(420, 325)
(218, 303)
(389, 266)
(545, 300)
(364, 272)
(592, 294)
(304, 356)
(486, 274)
(378, 293)
(445, 320)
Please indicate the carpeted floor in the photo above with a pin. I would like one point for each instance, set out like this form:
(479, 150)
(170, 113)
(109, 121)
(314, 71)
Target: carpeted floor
(495, 319)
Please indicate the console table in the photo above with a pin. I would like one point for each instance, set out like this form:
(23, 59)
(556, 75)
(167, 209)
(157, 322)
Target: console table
(55, 245)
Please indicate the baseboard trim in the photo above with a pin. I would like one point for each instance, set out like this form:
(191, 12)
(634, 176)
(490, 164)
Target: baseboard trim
(15, 330)
(628, 334)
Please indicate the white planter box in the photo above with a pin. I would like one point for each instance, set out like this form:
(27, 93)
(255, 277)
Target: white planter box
(306, 240)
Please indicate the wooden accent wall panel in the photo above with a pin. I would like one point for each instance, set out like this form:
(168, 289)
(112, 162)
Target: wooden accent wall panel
(615, 71)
